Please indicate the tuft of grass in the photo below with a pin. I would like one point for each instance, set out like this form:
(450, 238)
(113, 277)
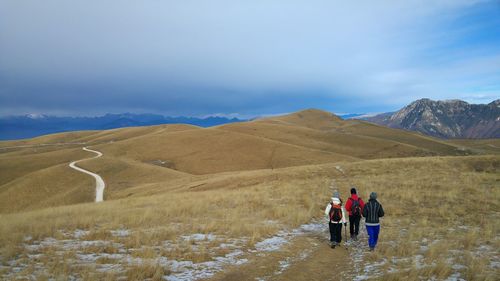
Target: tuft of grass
(145, 271)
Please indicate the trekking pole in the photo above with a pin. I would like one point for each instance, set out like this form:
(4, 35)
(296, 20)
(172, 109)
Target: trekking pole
(345, 232)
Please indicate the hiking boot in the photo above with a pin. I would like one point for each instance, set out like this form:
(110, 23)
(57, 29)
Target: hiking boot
(372, 249)
(355, 237)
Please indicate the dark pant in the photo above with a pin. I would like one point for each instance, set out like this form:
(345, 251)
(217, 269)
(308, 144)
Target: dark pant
(354, 225)
(335, 232)
(373, 231)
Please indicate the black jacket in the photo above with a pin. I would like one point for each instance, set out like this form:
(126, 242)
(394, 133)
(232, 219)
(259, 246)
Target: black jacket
(372, 212)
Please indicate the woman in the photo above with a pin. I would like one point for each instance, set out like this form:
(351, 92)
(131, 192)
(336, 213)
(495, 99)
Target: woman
(336, 217)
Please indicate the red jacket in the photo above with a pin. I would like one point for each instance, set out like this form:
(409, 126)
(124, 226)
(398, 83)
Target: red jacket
(348, 205)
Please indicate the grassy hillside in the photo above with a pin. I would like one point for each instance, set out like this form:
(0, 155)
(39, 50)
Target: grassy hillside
(139, 156)
(286, 197)
(480, 146)
(163, 182)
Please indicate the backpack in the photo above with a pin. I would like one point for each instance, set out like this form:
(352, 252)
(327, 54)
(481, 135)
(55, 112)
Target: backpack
(355, 208)
(335, 213)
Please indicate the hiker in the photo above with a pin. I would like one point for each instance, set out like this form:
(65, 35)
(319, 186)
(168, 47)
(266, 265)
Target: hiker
(336, 217)
(354, 206)
(372, 212)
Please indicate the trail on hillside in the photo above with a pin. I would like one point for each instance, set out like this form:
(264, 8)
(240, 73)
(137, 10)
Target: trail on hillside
(99, 182)
(307, 256)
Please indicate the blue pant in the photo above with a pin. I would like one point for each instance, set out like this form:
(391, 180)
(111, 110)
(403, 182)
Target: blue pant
(373, 231)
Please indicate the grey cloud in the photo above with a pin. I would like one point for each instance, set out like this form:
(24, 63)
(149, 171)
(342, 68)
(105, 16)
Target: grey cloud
(201, 57)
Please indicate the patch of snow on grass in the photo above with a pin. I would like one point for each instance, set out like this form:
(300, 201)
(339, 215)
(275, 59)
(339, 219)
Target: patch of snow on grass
(282, 237)
(284, 264)
(120, 232)
(288, 261)
(419, 261)
(199, 237)
(494, 264)
(455, 277)
(271, 244)
(91, 258)
(79, 233)
(86, 255)
(314, 227)
(187, 270)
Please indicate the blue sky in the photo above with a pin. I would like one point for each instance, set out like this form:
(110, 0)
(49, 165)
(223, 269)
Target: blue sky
(244, 58)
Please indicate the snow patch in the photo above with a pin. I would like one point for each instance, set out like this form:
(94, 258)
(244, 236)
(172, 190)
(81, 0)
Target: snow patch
(271, 244)
(187, 270)
(198, 237)
(120, 232)
(282, 237)
(494, 264)
(79, 233)
(455, 277)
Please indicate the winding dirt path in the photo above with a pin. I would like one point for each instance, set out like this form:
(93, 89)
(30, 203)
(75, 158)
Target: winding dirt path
(306, 257)
(99, 182)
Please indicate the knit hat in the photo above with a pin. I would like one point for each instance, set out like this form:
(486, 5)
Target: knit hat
(336, 194)
(353, 190)
(373, 195)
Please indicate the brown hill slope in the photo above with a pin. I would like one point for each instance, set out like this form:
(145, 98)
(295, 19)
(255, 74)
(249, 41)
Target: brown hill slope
(310, 118)
(167, 156)
(325, 131)
(214, 150)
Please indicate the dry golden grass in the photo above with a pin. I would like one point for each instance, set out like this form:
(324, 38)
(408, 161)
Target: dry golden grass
(440, 208)
(146, 271)
(163, 157)
(213, 150)
(20, 163)
(429, 144)
(293, 196)
(334, 140)
(121, 174)
(253, 180)
(481, 146)
(46, 188)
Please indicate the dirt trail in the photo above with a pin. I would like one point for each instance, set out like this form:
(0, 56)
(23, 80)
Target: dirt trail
(323, 263)
(100, 185)
(306, 257)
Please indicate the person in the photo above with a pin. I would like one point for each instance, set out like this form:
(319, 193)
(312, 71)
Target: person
(354, 206)
(372, 212)
(336, 217)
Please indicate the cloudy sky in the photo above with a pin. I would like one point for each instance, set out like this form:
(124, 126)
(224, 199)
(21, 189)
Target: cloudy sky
(244, 57)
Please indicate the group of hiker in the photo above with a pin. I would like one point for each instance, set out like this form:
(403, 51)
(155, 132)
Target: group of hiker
(356, 209)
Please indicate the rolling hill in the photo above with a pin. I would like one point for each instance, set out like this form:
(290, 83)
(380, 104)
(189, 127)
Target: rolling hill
(33, 125)
(176, 197)
(141, 156)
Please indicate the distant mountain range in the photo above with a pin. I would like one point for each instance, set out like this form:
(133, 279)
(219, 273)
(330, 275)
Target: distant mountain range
(33, 125)
(445, 119)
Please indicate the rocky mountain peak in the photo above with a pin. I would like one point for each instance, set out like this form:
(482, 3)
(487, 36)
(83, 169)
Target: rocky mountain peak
(495, 103)
(446, 119)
